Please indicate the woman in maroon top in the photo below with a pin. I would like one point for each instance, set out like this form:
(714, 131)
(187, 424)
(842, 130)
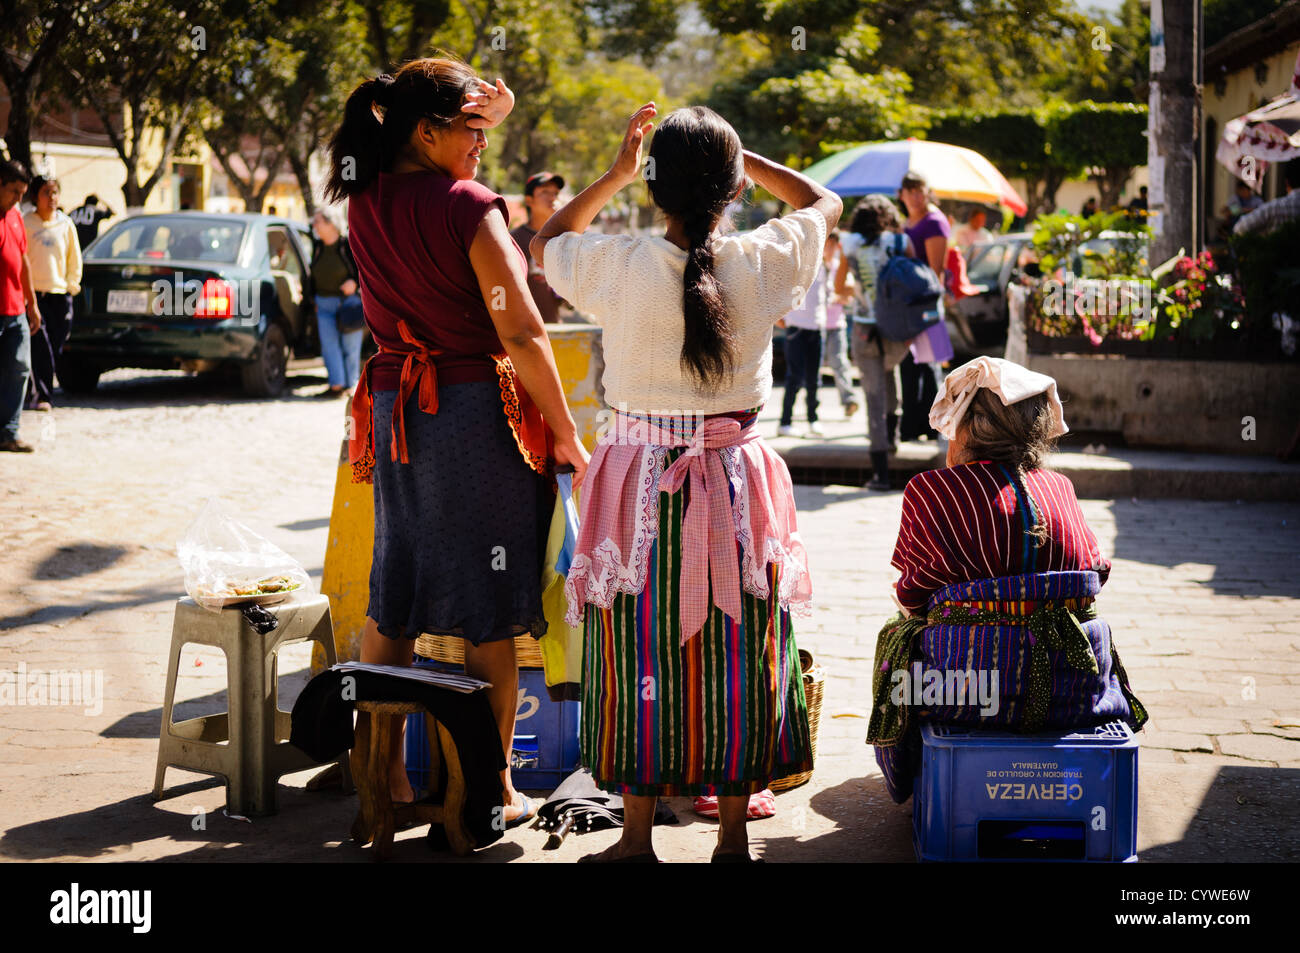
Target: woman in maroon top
(461, 415)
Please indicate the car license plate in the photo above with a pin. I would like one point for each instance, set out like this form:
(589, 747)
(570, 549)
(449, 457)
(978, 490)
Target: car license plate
(128, 302)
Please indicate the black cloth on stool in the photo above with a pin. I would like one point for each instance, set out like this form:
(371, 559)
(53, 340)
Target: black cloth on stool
(322, 727)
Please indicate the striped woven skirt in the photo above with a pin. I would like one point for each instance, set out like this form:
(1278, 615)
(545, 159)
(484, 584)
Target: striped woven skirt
(723, 714)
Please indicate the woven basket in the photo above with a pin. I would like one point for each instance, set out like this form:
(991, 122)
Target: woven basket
(451, 648)
(814, 681)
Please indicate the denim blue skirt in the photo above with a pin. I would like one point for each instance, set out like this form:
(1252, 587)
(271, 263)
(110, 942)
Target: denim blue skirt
(460, 530)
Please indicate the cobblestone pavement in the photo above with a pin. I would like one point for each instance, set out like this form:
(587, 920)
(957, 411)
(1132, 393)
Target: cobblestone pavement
(1203, 600)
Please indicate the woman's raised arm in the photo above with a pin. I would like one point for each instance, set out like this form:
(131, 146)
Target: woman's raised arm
(794, 188)
(582, 211)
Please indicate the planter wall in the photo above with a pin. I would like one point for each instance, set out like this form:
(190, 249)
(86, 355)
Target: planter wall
(1177, 404)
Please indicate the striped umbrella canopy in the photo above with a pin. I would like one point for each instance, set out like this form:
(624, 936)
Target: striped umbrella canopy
(953, 172)
(1270, 133)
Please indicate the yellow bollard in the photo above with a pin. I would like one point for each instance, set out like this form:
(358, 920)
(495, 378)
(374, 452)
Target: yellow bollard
(346, 577)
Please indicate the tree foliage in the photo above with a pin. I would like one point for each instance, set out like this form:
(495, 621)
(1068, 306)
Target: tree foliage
(151, 57)
(31, 34)
(1048, 145)
(1109, 139)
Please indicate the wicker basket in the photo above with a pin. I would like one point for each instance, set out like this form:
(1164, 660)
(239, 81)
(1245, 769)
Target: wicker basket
(451, 648)
(814, 681)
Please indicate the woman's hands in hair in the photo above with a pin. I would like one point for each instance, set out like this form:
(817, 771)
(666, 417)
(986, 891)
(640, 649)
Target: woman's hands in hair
(572, 452)
(490, 105)
(627, 164)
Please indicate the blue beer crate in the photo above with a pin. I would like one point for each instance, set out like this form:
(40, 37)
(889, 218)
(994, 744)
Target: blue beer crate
(986, 795)
(546, 737)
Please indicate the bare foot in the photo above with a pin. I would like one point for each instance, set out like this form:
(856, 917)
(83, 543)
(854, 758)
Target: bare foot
(619, 853)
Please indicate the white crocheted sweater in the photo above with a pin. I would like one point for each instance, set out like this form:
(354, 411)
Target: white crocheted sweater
(632, 287)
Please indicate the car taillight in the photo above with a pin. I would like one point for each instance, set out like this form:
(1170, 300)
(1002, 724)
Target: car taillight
(216, 301)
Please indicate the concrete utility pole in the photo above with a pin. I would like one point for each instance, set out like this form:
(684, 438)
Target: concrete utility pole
(1174, 127)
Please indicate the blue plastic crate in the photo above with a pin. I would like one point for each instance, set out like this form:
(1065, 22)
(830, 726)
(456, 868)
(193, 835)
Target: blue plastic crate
(1003, 796)
(546, 737)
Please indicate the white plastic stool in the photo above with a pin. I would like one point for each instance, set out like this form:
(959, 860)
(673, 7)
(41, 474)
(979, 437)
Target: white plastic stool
(257, 729)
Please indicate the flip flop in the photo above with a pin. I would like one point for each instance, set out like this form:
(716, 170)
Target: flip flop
(761, 805)
(529, 812)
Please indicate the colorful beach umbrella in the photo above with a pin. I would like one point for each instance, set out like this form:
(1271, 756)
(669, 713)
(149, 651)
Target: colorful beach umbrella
(953, 172)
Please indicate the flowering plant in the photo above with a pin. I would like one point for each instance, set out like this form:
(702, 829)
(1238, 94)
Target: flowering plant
(1197, 299)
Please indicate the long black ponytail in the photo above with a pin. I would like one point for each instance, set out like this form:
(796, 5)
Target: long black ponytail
(697, 167)
(381, 114)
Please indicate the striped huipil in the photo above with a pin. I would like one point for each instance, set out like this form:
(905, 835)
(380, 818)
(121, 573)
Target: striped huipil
(967, 522)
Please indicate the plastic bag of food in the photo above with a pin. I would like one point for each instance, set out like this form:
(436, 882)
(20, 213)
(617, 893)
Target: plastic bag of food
(226, 563)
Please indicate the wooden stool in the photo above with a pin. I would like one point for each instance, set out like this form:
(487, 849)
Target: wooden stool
(377, 819)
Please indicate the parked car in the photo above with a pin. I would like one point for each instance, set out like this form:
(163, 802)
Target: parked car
(979, 322)
(193, 290)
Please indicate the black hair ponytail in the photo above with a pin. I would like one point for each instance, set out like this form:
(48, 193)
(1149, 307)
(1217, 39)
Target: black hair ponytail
(356, 149)
(698, 168)
(381, 114)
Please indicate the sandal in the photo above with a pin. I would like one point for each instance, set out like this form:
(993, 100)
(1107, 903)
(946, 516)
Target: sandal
(527, 814)
(762, 804)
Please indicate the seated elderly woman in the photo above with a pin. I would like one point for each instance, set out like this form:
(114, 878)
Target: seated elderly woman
(999, 575)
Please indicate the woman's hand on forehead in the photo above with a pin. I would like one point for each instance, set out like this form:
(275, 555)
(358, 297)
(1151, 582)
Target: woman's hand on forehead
(488, 105)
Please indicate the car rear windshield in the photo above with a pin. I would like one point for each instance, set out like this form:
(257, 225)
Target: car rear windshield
(170, 239)
(986, 264)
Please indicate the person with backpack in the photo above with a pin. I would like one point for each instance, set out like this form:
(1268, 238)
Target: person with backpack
(931, 234)
(894, 295)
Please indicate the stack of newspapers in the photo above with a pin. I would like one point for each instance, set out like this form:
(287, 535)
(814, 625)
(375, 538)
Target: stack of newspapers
(430, 676)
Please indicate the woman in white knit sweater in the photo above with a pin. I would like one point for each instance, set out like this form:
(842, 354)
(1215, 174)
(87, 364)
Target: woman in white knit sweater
(55, 257)
(689, 560)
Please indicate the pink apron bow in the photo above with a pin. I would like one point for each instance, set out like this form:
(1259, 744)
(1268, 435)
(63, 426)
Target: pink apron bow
(708, 532)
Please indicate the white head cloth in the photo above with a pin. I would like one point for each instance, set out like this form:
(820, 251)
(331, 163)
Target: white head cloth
(1011, 382)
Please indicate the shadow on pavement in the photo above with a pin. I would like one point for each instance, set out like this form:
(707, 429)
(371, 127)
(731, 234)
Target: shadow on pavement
(870, 827)
(77, 559)
(1140, 537)
(61, 613)
(1246, 815)
(176, 388)
(310, 826)
(148, 724)
(810, 497)
(303, 526)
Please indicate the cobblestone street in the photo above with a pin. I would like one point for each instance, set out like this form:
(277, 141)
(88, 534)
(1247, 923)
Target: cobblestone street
(1204, 601)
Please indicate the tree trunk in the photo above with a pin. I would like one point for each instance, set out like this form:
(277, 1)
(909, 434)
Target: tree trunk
(254, 196)
(1172, 132)
(22, 83)
(300, 164)
(1110, 185)
(18, 135)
